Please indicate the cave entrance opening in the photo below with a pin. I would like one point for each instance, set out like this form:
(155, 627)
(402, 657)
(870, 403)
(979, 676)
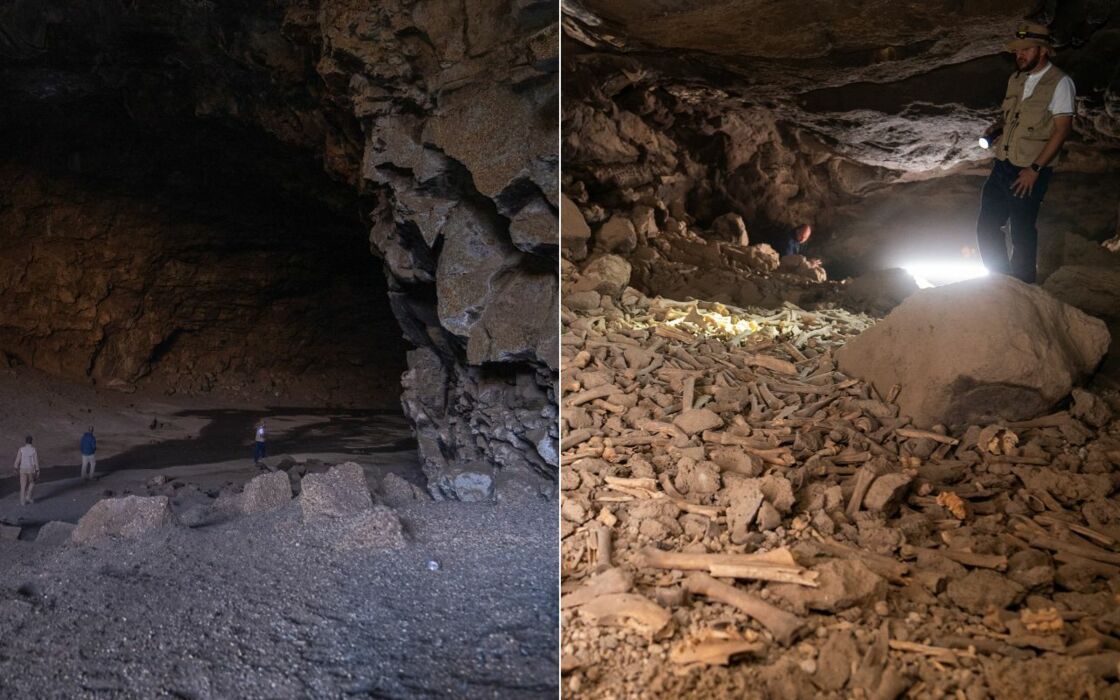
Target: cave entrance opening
(174, 283)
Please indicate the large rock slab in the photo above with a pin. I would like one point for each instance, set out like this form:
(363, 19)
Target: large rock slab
(266, 492)
(975, 352)
(1093, 289)
(341, 491)
(124, 517)
(574, 231)
(54, 534)
(879, 291)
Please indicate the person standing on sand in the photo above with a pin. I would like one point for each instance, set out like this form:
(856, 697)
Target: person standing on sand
(27, 466)
(89, 449)
(258, 443)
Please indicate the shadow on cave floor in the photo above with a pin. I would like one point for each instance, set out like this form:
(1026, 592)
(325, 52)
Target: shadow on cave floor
(228, 435)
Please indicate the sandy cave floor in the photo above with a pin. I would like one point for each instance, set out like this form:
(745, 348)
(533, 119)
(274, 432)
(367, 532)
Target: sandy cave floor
(258, 606)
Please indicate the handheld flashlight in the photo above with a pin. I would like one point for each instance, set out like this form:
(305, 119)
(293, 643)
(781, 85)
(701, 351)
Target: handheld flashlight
(989, 138)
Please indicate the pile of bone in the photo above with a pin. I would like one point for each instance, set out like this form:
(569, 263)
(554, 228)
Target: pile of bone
(737, 514)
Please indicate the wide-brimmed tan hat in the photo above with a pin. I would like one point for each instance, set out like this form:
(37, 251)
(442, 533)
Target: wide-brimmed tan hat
(1029, 34)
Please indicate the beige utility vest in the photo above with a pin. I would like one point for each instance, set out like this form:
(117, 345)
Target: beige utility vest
(1027, 124)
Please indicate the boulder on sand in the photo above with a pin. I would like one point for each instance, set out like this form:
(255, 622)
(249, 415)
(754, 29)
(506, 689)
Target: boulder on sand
(124, 517)
(340, 492)
(266, 492)
(975, 352)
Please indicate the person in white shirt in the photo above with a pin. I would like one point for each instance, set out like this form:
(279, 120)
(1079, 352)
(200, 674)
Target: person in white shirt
(27, 466)
(258, 443)
(1037, 118)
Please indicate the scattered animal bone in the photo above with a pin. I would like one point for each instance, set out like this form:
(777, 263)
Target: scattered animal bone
(783, 625)
(661, 469)
(627, 609)
(614, 580)
(712, 652)
(777, 565)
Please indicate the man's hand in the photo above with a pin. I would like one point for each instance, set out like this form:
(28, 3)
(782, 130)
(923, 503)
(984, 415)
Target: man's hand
(1024, 183)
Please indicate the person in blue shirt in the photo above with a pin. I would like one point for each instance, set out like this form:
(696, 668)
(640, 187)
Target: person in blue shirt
(89, 449)
(796, 240)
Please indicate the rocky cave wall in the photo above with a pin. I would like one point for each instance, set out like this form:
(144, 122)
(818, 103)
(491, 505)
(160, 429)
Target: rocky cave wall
(861, 119)
(154, 260)
(441, 116)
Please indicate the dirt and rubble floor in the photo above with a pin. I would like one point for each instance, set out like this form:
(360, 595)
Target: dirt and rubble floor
(739, 519)
(256, 606)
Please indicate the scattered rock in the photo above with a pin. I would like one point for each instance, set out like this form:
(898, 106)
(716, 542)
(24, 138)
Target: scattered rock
(768, 517)
(982, 590)
(696, 420)
(607, 275)
(844, 583)
(54, 533)
(396, 492)
(124, 517)
(266, 492)
(617, 235)
(1091, 409)
(377, 528)
(802, 267)
(762, 258)
(1093, 289)
(339, 492)
(887, 493)
(743, 498)
(731, 229)
(284, 462)
(574, 231)
(835, 661)
(472, 481)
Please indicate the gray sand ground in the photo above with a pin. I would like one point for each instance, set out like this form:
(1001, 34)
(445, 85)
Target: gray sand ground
(263, 606)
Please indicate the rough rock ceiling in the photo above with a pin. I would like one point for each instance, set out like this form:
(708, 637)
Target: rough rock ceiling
(902, 86)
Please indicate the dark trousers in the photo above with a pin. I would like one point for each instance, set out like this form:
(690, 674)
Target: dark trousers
(998, 205)
(258, 451)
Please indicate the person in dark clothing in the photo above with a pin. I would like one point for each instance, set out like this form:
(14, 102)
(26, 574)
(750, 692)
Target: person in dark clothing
(796, 240)
(89, 450)
(1037, 118)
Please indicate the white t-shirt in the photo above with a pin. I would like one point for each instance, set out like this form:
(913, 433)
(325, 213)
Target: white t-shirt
(259, 437)
(27, 459)
(1062, 101)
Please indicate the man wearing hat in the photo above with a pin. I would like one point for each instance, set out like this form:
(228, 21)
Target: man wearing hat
(1037, 117)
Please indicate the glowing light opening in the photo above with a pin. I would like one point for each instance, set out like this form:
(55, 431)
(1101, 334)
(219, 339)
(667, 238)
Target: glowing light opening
(935, 274)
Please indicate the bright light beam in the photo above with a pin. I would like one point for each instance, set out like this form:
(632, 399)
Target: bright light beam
(934, 274)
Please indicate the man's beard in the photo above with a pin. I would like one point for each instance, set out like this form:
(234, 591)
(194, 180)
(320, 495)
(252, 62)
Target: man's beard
(1031, 65)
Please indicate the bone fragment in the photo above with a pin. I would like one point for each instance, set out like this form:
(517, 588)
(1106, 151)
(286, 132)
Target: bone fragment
(783, 625)
(619, 609)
